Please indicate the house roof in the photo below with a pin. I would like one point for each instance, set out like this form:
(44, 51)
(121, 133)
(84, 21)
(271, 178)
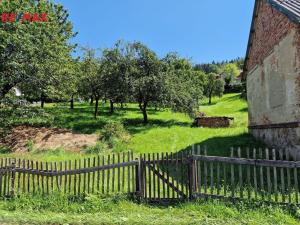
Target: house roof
(290, 8)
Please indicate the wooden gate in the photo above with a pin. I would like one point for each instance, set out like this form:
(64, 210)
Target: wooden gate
(164, 177)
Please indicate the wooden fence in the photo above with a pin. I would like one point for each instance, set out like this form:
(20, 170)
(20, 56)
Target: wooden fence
(102, 174)
(263, 175)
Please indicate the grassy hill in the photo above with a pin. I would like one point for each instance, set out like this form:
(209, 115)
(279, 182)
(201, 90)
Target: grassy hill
(166, 131)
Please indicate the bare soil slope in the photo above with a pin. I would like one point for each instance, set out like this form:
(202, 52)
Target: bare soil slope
(47, 138)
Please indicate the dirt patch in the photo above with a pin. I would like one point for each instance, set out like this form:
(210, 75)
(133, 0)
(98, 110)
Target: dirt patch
(47, 138)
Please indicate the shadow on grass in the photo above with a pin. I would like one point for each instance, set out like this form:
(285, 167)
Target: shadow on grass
(220, 146)
(136, 125)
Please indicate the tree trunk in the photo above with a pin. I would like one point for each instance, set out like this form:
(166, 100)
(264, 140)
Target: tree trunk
(72, 102)
(145, 116)
(96, 108)
(209, 98)
(42, 101)
(111, 107)
(143, 108)
(92, 100)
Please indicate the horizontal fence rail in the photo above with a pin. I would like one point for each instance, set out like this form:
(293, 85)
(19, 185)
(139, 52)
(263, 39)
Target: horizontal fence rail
(261, 175)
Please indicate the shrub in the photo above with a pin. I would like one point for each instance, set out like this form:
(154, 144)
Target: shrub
(115, 130)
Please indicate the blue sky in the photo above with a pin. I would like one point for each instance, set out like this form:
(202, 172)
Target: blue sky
(203, 30)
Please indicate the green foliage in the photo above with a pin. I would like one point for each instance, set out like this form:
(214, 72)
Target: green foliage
(39, 42)
(30, 146)
(214, 86)
(231, 70)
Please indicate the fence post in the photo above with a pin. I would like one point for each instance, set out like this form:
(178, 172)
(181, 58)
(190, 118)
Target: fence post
(191, 174)
(13, 175)
(138, 177)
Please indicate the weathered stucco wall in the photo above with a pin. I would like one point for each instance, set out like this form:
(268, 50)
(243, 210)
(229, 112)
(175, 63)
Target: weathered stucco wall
(273, 80)
(273, 88)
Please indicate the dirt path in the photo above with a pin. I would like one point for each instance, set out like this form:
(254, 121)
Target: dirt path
(47, 138)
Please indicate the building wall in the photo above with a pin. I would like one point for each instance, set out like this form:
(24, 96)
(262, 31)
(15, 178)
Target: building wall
(273, 80)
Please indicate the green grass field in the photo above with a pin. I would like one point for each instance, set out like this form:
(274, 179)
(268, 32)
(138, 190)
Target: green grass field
(168, 132)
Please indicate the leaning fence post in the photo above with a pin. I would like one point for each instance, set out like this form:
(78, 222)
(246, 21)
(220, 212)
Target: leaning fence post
(13, 175)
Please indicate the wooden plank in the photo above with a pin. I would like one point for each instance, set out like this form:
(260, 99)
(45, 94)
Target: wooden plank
(177, 174)
(144, 168)
(154, 178)
(61, 177)
(103, 173)
(282, 180)
(232, 175)
(163, 174)
(119, 173)
(93, 182)
(38, 177)
(225, 178)
(98, 174)
(182, 175)
(66, 179)
(128, 173)
(132, 173)
(52, 178)
(289, 190)
(55, 169)
(241, 176)
(251, 162)
(113, 173)
(168, 175)
(123, 172)
(261, 175)
(70, 178)
(211, 178)
(218, 179)
(108, 175)
(268, 176)
(75, 178)
(28, 177)
(79, 178)
(173, 169)
(84, 176)
(19, 178)
(248, 175)
(89, 176)
(275, 177)
(47, 179)
(33, 177)
(150, 181)
(205, 172)
(23, 176)
(43, 185)
(199, 174)
(5, 178)
(296, 184)
(255, 175)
